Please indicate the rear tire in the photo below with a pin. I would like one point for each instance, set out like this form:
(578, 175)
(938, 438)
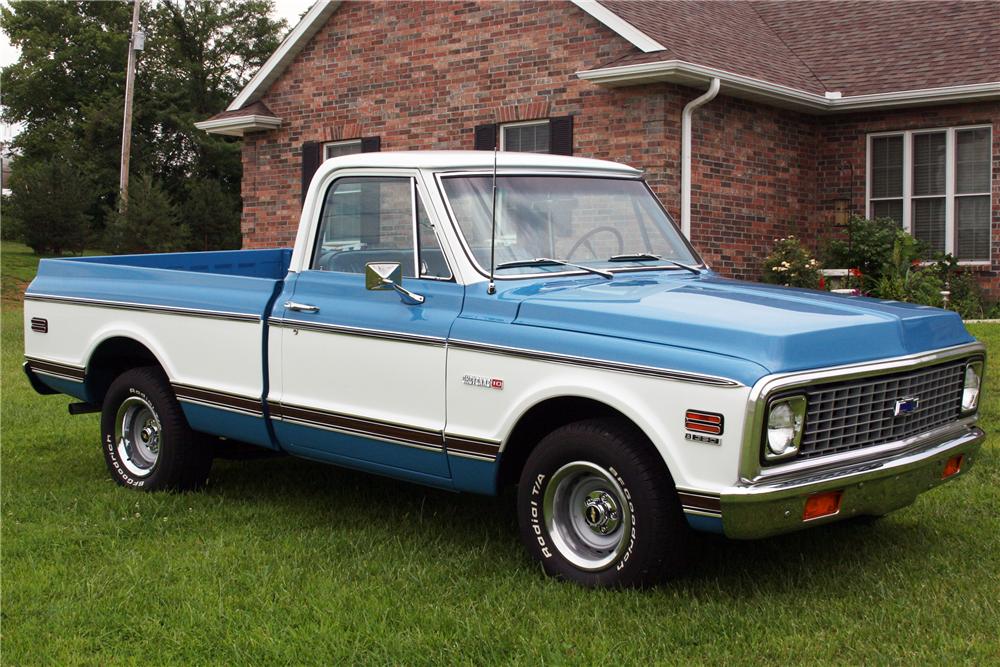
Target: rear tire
(146, 440)
(596, 505)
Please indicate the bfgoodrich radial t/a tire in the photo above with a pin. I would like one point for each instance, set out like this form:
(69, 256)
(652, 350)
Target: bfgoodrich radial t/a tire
(596, 505)
(147, 442)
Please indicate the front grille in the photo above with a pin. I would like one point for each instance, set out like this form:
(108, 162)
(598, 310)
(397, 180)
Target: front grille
(854, 414)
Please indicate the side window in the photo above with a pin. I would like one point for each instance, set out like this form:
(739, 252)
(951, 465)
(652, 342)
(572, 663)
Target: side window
(372, 219)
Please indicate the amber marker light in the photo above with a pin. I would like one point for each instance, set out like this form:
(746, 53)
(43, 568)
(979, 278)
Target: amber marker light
(821, 505)
(952, 467)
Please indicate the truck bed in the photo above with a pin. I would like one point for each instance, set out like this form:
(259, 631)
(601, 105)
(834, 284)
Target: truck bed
(204, 314)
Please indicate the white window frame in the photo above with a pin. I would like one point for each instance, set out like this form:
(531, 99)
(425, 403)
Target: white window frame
(951, 160)
(331, 144)
(523, 123)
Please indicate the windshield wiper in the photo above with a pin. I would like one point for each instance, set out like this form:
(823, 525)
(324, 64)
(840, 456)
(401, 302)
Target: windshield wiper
(544, 261)
(642, 256)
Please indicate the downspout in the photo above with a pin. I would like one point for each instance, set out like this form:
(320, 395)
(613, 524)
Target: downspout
(713, 90)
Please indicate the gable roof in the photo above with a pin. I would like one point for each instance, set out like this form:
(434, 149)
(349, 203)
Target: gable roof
(817, 54)
(809, 54)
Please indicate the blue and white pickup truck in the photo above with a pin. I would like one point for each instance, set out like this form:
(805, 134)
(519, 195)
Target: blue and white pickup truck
(629, 392)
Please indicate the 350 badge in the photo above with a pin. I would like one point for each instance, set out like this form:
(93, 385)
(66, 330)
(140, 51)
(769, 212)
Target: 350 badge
(484, 382)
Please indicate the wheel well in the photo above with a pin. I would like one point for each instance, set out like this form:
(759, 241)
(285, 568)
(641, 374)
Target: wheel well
(541, 420)
(113, 357)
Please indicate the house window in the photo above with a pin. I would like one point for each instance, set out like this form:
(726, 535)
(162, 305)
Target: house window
(338, 148)
(529, 137)
(936, 185)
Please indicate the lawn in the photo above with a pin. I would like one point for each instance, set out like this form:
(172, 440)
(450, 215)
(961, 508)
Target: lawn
(283, 561)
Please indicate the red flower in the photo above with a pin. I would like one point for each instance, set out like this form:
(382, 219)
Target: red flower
(915, 262)
(822, 282)
(856, 272)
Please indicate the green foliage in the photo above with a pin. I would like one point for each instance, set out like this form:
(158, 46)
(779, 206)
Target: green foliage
(150, 223)
(791, 264)
(872, 246)
(47, 206)
(67, 89)
(212, 216)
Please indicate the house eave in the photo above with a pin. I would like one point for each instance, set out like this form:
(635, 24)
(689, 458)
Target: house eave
(738, 85)
(237, 126)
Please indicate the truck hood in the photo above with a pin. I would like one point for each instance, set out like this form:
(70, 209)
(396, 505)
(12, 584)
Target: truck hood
(779, 328)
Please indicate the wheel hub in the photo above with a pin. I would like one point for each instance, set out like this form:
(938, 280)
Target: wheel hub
(601, 512)
(137, 433)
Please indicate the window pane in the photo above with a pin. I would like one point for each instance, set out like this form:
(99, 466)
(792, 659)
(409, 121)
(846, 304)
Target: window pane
(889, 208)
(339, 148)
(526, 138)
(887, 166)
(928, 163)
(928, 224)
(366, 220)
(972, 226)
(972, 167)
(432, 260)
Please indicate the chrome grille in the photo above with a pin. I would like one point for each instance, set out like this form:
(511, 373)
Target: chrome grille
(849, 415)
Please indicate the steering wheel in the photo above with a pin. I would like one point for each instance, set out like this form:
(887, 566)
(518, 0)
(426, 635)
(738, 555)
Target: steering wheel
(585, 240)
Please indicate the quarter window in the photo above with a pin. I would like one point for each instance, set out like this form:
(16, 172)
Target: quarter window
(936, 185)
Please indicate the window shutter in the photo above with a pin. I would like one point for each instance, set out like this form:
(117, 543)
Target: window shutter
(561, 135)
(486, 137)
(312, 156)
(371, 144)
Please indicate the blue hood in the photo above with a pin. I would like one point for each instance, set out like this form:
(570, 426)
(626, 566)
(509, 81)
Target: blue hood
(778, 328)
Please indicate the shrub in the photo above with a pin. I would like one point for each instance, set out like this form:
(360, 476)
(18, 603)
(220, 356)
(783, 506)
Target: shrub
(150, 223)
(874, 245)
(791, 264)
(47, 206)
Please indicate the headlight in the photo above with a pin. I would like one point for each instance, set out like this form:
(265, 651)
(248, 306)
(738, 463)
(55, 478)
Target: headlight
(973, 380)
(785, 422)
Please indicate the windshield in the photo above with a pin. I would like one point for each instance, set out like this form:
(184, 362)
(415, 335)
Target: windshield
(589, 221)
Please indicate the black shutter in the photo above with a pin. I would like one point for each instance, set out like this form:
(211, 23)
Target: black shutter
(561, 135)
(486, 137)
(311, 158)
(371, 144)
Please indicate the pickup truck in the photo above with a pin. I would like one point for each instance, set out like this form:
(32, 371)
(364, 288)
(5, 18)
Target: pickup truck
(471, 321)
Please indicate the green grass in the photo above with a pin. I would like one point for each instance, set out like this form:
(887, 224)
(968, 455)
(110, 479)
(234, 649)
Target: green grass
(283, 561)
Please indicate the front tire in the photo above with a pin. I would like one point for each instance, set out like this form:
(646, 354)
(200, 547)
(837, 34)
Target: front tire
(596, 505)
(146, 440)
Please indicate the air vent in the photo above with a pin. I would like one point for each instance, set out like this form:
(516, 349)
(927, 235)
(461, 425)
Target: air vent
(39, 325)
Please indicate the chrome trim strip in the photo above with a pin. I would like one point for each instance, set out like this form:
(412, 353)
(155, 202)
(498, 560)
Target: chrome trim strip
(750, 469)
(349, 425)
(219, 399)
(590, 362)
(321, 327)
(56, 368)
(126, 305)
(473, 457)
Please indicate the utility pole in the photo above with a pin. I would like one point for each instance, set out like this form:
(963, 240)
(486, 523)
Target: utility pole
(136, 42)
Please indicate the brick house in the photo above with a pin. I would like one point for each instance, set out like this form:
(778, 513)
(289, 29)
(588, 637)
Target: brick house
(822, 109)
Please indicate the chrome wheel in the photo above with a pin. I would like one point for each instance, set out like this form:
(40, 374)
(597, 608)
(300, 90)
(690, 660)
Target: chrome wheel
(138, 434)
(587, 515)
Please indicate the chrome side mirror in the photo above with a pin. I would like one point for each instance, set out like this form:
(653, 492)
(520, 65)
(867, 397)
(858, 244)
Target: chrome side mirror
(389, 275)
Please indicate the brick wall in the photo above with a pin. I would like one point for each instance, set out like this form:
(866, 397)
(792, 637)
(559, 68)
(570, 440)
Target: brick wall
(842, 161)
(423, 75)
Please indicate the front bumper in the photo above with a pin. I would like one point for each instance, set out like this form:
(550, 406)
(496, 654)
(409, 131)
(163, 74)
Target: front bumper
(868, 488)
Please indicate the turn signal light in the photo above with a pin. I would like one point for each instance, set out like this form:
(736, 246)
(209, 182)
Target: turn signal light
(952, 467)
(821, 505)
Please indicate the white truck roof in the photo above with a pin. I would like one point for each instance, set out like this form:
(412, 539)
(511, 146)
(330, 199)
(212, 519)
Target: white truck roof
(459, 160)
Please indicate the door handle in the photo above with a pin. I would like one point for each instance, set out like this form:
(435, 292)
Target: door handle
(301, 307)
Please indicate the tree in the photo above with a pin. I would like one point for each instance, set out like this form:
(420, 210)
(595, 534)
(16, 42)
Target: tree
(47, 206)
(213, 216)
(150, 222)
(67, 88)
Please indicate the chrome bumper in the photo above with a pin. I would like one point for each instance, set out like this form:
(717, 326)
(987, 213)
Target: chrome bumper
(868, 488)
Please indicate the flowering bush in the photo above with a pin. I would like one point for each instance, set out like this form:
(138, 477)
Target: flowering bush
(791, 264)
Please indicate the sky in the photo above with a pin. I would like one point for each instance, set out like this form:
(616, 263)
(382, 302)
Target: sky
(290, 10)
